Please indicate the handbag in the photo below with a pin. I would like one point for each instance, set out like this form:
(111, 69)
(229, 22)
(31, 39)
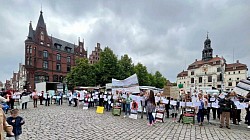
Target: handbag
(35, 97)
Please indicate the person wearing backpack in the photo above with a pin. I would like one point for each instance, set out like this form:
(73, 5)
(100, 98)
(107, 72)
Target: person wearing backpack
(150, 108)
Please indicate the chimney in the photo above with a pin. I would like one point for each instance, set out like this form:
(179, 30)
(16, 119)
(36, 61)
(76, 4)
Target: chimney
(237, 61)
(195, 60)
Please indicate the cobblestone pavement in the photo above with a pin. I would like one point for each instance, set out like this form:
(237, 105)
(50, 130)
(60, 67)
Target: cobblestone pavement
(69, 123)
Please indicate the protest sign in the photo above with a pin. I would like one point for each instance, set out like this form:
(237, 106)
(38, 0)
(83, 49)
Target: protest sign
(130, 84)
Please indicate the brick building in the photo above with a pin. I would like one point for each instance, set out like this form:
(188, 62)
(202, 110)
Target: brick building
(94, 57)
(48, 58)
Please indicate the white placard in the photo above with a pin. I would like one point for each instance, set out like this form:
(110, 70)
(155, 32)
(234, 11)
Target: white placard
(215, 105)
(157, 99)
(182, 103)
(212, 99)
(189, 104)
(25, 99)
(165, 101)
(159, 115)
(197, 104)
(173, 102)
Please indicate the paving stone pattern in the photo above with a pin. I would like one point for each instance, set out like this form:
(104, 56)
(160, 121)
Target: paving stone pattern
(70, 123)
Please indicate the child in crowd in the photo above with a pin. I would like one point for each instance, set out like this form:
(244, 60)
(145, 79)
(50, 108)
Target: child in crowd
(17, 122)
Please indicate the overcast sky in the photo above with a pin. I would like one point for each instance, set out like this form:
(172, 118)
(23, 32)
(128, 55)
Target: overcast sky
(164, 35)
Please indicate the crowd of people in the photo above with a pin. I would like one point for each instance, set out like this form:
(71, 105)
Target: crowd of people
(221, 107)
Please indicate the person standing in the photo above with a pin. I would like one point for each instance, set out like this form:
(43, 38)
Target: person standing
(34, 97)
(226, 105)
(200, 109)
(69, 97)
(40, 95)
(128, 100)
(47, 98)
(24, 95)
(75, 98)
(143, 104)
(151, 107)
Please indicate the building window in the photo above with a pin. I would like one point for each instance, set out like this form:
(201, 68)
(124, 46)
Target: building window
(209, 78)
(218, 69)
(68, 59)
(230, 79)
(237, 83)
(41, 42)
(58, 57)
(228, 72)
(234, 72)
(200, 79)
(192, 80)
(68, 68)
(46, 78)
(48, 44)
(55, 78)
(58, 67)
(239, 71)
(42, 35)
(60, 78)
(45, 64)
(230, 84)
(29, 61)
(45, 54)
(192, 72)
(29, 49)
(234, 68)
(238, 79)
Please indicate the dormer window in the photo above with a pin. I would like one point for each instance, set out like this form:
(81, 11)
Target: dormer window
(42, 35)
(234, 68)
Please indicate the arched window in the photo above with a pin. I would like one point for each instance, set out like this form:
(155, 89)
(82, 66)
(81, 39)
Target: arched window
(42, 35)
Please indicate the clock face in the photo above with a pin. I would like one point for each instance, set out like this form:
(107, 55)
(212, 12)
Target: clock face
(205, 68)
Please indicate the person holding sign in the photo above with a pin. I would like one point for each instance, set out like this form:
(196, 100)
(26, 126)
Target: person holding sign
(226, 105)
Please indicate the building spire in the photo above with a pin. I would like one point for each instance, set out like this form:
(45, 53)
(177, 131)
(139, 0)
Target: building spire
(207, 34)
(31, 32)
(40, 22)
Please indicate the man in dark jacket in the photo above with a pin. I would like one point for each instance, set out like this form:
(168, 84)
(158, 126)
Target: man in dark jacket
(226, 105)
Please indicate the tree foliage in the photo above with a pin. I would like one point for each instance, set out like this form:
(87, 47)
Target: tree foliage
(108, 67)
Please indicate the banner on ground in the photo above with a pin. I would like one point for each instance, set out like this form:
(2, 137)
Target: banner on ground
(129, 84)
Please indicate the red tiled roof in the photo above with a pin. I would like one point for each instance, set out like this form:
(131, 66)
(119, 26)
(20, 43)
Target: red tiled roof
(199, 63)
(182, 74)
(236, 66)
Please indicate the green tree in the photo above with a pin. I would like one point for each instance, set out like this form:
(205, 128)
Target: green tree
(126, 68)
(160, 80)
(152, 80)
(83, 74)
(107, 67)
(142, 74)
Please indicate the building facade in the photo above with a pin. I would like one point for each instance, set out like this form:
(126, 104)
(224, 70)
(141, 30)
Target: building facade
(212, 72)
(94, 57)
(48, 58)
